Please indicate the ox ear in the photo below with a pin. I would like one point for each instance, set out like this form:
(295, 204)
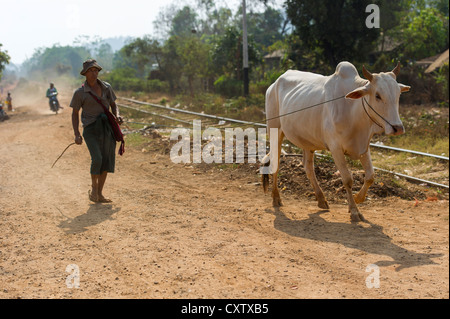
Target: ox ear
(403, 88)
(357, 93)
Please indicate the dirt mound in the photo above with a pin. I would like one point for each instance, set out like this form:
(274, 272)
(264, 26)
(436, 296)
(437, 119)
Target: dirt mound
(293, 179)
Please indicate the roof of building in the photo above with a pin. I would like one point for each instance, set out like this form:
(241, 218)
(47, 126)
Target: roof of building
(277, 54)
(434, 62)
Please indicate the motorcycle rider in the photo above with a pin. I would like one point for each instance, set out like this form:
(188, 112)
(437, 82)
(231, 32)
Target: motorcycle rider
(52, 92)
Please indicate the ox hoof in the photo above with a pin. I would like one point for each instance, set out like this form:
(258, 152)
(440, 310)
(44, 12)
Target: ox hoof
(359, 199)
(277, 202)
(324, 205)
(357, 217)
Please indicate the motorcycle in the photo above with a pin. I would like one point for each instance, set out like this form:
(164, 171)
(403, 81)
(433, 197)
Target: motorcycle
(3, 115)
(54, 104)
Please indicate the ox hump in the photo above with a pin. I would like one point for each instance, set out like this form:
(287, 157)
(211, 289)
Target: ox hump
(346, 70)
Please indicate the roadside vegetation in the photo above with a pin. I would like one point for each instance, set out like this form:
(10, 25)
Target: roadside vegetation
(194, 61)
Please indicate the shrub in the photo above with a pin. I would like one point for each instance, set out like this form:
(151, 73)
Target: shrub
(269, 78)
(125, 80)
(157, 86)
(441, 78)
(228, 87)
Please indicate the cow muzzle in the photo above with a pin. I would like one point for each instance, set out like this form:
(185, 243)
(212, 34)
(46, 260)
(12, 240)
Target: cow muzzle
(395, 130)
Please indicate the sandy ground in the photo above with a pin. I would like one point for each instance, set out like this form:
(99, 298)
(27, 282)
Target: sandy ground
(176, 231)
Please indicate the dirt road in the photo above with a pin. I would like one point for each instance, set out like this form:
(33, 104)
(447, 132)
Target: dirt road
(178, 231)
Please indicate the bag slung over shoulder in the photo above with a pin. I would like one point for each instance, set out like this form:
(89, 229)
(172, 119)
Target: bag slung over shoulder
(118, 135)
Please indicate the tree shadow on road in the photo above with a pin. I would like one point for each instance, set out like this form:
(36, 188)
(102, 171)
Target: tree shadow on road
(369, 238)
(96, 214)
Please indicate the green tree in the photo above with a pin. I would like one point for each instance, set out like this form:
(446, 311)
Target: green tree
(57, 59)
(184, 22)
(193, 57)
(171, 63)
(391, 15)
(265, 27)
(143, 51)
(217, 22)
(181, 59)
(4, 60)
(425, 33)
(104, 56)
(122, 61)
(227, 53)
(332, 30)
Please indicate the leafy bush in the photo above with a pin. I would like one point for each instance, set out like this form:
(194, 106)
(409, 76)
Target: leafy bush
(441, 78)
(228, 87)
(269, 78)
(125, 79)
(157, 86)
(425, 87)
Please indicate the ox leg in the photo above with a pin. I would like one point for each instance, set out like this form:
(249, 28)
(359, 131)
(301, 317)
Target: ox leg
(347, 180)
(366, 162)
(308, 158)
(275, 193)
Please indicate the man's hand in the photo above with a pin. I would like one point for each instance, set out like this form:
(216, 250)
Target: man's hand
(78, 140)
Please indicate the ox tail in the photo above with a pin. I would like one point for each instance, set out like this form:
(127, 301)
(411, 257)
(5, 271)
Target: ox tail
(264, 174)
(265, 182)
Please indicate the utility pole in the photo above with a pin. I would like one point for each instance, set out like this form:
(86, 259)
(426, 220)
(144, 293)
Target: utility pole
(245, 48)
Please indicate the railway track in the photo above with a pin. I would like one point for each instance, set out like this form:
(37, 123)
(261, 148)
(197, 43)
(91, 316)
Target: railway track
(225, 121)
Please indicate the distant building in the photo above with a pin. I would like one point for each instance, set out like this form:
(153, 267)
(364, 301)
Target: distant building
(434, 62)
(272, 60)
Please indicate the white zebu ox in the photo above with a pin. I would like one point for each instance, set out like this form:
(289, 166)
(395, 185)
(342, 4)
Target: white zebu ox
(341, 126)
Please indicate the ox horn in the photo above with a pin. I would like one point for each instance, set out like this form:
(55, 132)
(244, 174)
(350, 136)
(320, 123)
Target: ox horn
(396, 70)
(367, 74)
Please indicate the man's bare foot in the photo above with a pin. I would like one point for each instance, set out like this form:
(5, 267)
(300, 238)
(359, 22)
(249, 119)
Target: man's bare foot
(102, 199)
(92, 197)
